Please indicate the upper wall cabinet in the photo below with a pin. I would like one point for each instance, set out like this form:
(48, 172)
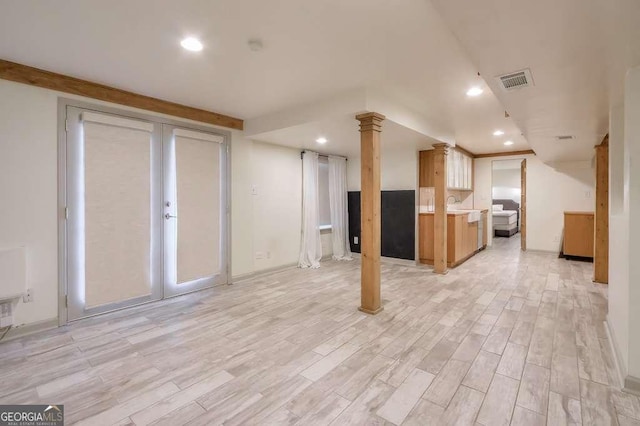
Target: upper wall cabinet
(460, 170)
(427, 178)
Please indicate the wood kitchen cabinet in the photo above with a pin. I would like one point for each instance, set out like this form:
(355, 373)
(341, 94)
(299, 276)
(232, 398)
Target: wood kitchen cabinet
(462, 238)
(427, 176)
(459, 170)
(578, 234)
(425, 240)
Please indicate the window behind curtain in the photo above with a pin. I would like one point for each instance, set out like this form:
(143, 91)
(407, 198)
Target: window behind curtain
(323, 193)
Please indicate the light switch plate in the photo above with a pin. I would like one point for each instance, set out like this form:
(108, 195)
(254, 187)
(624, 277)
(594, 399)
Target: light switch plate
(355, 240)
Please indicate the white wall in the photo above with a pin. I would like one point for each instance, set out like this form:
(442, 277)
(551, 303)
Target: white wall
(398, 169)
(29, 188)
(632, 190)
(624, 230)
(241, 205)
(268, 222)
(277, 205)
(506, 184)
(550, 192)
(618, 294)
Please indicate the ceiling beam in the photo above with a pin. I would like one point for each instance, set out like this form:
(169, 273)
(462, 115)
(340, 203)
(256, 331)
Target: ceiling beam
(465, 151)
(49, 80)
(505, 154)
(345, 104)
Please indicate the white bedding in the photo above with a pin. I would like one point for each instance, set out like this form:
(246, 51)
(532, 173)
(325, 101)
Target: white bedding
(505, 217)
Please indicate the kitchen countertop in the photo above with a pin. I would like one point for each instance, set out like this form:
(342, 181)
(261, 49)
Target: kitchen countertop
(455, 212)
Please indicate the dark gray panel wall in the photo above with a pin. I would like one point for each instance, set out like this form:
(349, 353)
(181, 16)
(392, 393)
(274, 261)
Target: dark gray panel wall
(398, 223)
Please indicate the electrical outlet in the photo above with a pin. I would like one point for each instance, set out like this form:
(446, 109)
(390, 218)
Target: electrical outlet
(355, 240)
(587, 194)
(28, 296)
(5, 309)
(254, 190)
(259, 255)
(556, 239)
(6, 314)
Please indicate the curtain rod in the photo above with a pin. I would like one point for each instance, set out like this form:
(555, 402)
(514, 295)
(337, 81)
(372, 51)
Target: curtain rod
(322, 155)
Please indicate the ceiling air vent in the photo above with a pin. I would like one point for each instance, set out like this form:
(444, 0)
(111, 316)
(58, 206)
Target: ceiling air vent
(564, 137)
(516, 80)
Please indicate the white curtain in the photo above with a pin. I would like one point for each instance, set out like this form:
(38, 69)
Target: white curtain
(338, 204)
(310, 245)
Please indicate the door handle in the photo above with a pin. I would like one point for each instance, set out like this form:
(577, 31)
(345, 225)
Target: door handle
(169, 216)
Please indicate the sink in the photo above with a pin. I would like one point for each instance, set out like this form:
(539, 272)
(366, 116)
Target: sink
(451, 209)
(474, 216)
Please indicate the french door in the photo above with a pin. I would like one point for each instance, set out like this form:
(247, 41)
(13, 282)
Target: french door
(194, 210)
(146, 207)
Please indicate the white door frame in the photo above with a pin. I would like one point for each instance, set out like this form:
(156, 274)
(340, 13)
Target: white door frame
(63, 103)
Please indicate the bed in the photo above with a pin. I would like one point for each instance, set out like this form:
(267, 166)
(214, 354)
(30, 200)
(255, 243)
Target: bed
(506, 217)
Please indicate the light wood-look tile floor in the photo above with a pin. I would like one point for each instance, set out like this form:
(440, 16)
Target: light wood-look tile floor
(506, 338)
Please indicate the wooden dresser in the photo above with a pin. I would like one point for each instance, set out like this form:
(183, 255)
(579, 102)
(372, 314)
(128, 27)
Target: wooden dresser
(578, 234)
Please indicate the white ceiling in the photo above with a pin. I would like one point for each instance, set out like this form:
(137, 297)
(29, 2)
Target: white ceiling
(312, 50)
(343, 137)
(316, 50)
(577, 50)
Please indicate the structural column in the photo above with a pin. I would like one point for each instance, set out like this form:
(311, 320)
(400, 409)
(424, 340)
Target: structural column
(440, 151)
(370, 128)
(601, 238)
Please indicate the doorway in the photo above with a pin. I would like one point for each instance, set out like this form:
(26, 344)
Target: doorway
(509, 206)
(145, 210)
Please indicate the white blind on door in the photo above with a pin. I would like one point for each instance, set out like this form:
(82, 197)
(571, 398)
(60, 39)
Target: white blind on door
(198, 180)
(117, 179)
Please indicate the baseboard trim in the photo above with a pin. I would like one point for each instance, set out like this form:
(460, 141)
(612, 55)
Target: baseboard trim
(627, 383)
(263, 272)
(27, 329)
(617, 356)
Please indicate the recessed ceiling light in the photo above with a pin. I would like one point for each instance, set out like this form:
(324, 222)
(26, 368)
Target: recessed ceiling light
(507, 143)
(321, 140)
(192, 44)
(498, 133)
(474, 91)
